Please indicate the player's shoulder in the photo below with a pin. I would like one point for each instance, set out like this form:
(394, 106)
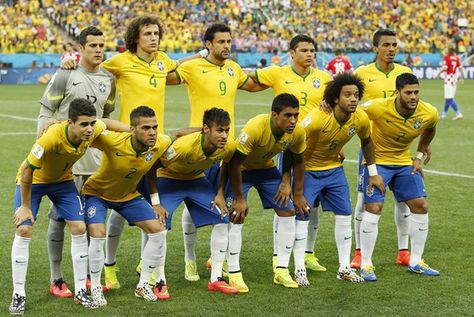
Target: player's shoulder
(186, 141)
(256, 124)
(377, 102)
(364, 68)
(120, 57)
(320, 73)
(400, 69)
(428, 108)
(361, 115)
(106, 73)
(232, 63)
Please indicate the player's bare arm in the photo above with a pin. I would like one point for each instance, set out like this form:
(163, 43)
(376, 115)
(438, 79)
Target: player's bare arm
(161, 212)
(252, 86)
(219, 199)
(368, 151)
(423, 146)
(239, 204)
(283, 196)
(24, 212)
(301, 204)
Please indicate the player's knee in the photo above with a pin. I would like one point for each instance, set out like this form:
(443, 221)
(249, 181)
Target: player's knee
(151, 226)
(77, 227)
(374, 208)
(96, 231)
(419, 206)
(286, 213)
(24, 231)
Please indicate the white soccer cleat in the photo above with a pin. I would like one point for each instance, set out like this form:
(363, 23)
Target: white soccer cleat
(301, 277)
(97, 296)
(350, 275)
(458, 117)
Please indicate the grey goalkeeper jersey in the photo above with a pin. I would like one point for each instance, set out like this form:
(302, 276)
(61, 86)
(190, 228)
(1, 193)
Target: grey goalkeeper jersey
(67, 85)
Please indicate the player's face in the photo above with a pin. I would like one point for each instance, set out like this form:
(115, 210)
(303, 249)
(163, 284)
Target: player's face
(303, 54)
(387, 48)
(219, 48)
(149, 38)
(93, 52)
(82, 129)
(217, 134)
(409, 97)
(285, 121)
(144, 133)
(348, 98)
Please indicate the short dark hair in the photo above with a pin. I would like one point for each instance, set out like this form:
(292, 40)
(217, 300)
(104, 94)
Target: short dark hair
(90, 30)
(283, 101)
(334, 87)
(300, 38)
(216, 116)
(133, 30)
(381, 32)
(81, 107)
(213, 29)
(141, 112)
(405, 79)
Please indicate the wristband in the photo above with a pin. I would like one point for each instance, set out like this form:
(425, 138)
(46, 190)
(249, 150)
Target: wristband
(155, 199)
(420, 156)
(372, 169)
(203, 53)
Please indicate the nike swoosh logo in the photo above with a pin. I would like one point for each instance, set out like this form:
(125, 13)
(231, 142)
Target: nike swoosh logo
(357, 219)
(135, 66)
(347, 238)
(372, 80)
(325, 131)
(422, 229)
(406, 216)
(81, 213)
(234, 253)
(120, 154)
(223, 251)
(188, 233)
(151, 267)
(113, 236)
(288, 82)
(75, 84)
(367, 231)
(300, 239)
(20, 262)
(206, 71)
(53, 240)
(389, 121)
(92, 272)
(83, 256)
(289, 247)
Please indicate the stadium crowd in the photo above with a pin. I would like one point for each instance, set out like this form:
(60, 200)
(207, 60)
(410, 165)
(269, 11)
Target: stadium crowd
(258, 26)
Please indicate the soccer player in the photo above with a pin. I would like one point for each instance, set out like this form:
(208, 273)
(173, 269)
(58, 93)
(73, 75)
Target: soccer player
(183, 179)
(451, 64)
(379, 81)
(339, 64)
(326, 134)
(92, 82)
(47, 172)
(307, 84)
(263, 137)
(396, 123)
(127, 158)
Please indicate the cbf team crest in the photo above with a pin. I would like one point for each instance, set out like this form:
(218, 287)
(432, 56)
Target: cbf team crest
(417, 124)
(316, 83)
(148, 156)
(160, 66)
(102, 87)
(91, 212)
(230, 71)
(352, 130)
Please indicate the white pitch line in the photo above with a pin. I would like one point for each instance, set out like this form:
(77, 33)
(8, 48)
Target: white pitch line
(16, 133)
(17, 117)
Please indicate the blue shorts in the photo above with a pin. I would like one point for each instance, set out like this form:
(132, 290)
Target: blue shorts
(360, 175)
(332, 188)
(143, 188)
(266, 182)
(64, 196)
(404, 185)
(135, 210)
(213, 175)
(198, 196)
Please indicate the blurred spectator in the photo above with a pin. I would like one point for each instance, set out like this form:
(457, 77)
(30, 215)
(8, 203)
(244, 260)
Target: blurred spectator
(275, 60)
(417, 60)
(70, 52)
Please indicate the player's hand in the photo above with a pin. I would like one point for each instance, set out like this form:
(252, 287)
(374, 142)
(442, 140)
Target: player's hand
(417, 167)
(427, 154)
(325, 107)
(376, 181)
(22, 214)
(240, 210)
(283, 196)
(341, 156)
(161, 213)
(219, 202)
(301, 205)
(68, 63)
(46, 126)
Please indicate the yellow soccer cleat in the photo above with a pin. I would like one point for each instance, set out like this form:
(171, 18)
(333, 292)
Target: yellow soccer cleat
(110, 272)
(312, 263)
(237, 281)
(190, 271)
(282, 277)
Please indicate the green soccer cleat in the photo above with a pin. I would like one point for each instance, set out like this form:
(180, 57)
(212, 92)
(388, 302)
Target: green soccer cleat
(110, 273)
(237, 281)
(190, 271)
(282, 277)
(312, 263)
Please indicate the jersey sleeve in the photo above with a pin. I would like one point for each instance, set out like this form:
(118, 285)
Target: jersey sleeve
(246, 140)
(230, 149)
(267, 75)
(109, 106)
(170, 64)
(364, 130)
(243, 77)
(113, 65)
(184, 72)
(298, 145)
(54, 94)
(39, 150)
(373, 108)
(311, 124)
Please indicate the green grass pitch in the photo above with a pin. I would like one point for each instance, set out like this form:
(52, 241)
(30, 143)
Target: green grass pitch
(397, 293)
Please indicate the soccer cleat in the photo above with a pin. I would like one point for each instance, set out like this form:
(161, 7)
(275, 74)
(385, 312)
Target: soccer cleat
(282, 277)
(89, 283)
(423, 269)
(81, 298)
(221, 286)
(144, 291)
(355, 263)
(350, 275)
(225, 267)
(301, 278)
(97, 296)
(368, 273)
(237, 281)
(17, 306)
(110, 272)
(190, 271)
(139, 272)
(403, 257)
(312, 263)
(443, 116)
(59, 289)
(208, 264)
(161, 291)
(458, 117)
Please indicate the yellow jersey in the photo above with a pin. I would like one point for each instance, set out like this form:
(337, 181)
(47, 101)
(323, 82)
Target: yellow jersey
(186, 159)
(210, 85)
(326, 136)
(377, 83)
(392, 133)
(309, 89)
(122, 166)
(53, 155)
(258, 142)
(140, 83)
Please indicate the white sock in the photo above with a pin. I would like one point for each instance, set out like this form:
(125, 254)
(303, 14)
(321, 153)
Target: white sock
(402, 216)
(144, 241)
(234, 247)
(96, 260)
(343, 235)
(275, 227)
(20, 255)
(313, 228)
(285, 240)
(189, 235)
(369, 229)
(115, 225)
(151, 255)
(55, 247)
(301, 233)
(80, 260)
(219, 240)
(160, 265)
(358, 215)
(418, 235)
